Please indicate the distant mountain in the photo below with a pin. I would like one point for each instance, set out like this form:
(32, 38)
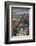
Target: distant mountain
(19, 15)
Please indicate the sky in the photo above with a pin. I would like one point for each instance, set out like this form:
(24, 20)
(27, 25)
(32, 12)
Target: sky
(17, 11)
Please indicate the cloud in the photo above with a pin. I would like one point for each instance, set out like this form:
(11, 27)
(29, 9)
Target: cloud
(20, 11)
